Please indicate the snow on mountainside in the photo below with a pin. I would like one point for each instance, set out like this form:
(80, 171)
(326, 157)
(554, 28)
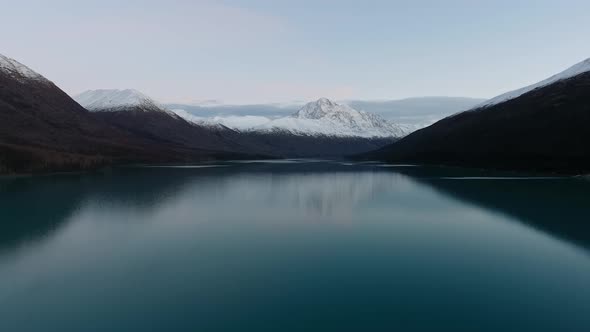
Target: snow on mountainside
(323, 117)
(19, 71)
(114, 100)
(573, 71)
(243, 123)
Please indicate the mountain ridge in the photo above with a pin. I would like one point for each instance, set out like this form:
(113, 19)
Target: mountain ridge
(412, 113)
(42, 129)
(575, 70)
(113, 100)
(545, 129)
(123, 109)
(19, 71)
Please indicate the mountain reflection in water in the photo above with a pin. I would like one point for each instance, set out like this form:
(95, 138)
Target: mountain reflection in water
(291, 246)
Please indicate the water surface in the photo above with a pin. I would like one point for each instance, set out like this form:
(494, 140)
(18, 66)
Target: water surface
(294, 246)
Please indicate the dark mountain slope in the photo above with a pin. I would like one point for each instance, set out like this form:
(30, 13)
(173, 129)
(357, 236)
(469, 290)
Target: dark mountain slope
(285, 144)
(546, 129)
(43, 129)
(170, 130)
(132, 111)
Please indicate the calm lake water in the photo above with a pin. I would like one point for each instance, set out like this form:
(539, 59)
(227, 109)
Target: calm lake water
(294, 246)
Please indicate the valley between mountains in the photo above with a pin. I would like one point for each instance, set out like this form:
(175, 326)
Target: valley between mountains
(543, 127)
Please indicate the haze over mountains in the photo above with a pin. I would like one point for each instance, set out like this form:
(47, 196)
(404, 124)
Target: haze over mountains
(543, 127)
(413, 113)
(320, 118)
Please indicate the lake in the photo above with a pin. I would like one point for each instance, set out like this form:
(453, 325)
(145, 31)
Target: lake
(294, 245)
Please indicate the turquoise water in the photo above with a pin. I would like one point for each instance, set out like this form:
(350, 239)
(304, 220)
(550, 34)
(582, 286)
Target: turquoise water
(294, 246)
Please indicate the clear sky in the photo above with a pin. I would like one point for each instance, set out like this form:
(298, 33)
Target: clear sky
(250, 51)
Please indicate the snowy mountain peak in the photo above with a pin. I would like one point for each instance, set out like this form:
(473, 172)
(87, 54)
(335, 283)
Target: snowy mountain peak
(327, 118)
(322, 108)
(575, 70)
(320, 118)
(19, 71)
(113, 100)
(324, 101)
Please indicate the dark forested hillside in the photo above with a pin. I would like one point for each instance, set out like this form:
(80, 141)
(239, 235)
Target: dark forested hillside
(546, 129)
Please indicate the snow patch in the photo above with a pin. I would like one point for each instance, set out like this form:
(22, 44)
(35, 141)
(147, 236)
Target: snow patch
(573, 71)
(242, 123)
(113, 100)
(19, 71)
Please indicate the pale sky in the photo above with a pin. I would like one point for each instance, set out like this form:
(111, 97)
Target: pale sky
(257, 51)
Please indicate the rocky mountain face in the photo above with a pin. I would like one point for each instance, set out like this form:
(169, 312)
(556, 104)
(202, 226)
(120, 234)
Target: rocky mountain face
(543, 127)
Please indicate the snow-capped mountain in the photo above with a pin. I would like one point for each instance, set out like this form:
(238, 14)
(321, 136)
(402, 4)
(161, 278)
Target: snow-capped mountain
(133, 111)
(320, 118)
(573, 71)
(114, 100)
(331, 118)
(327, 118)
(18, 71)
(42, 125)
